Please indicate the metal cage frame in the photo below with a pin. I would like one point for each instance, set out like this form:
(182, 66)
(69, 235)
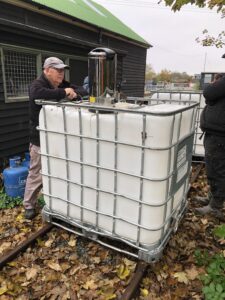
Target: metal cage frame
(170, 221)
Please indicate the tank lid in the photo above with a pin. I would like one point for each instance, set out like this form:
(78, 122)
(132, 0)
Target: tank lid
(102, 52)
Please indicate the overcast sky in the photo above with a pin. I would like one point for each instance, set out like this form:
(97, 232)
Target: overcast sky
(172, 35)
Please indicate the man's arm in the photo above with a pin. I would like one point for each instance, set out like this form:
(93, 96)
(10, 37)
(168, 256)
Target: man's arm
(38, 91)
(80, 90)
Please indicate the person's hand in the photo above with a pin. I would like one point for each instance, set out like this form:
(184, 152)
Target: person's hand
(70, 93)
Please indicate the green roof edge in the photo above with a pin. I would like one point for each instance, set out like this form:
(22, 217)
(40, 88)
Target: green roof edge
(92, 13)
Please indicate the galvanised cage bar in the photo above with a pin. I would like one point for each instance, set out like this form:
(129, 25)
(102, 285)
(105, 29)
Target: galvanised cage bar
(117, 173)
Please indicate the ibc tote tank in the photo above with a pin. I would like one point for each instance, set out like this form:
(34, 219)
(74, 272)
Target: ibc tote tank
(15, 178)
(136, 205)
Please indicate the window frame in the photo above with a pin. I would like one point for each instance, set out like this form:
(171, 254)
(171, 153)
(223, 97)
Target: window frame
(39, 53)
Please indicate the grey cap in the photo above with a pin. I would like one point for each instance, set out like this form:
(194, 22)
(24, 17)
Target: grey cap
(54, 62)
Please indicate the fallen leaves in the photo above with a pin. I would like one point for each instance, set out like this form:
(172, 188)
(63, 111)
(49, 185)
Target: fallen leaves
(54, 266)
(48, 243)
(61, 261)
(72, 242)
(3, 290)
(123, 272)
(90, 284)
(192, 273)
(144, 292)
(204, 221)
(64, 266)
(176, 275)
(20, 218)
(14, 228)
(181, 277)
(4, 246)
(31, 273)
(187, 275)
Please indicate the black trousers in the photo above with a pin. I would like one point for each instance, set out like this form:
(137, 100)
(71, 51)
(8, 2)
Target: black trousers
(215, 167)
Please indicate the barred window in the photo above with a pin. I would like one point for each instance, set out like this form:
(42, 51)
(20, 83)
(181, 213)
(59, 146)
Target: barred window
(20, 66)
(20, 70)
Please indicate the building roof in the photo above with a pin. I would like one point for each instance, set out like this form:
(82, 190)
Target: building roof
(92, 13)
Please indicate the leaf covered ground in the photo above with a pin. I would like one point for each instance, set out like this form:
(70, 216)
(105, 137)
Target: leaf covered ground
(62, 265)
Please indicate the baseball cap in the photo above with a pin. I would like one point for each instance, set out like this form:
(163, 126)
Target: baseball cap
(54, 62)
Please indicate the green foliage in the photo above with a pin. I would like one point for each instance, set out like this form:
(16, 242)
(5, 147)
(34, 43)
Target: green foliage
(165, 76)
(41, 201)
(196, 86)
(177, 4)
(214, 278)
(207, 40)
(219, 231)
(214, 292)
(149, 72)
(202, 258)
(9, 202)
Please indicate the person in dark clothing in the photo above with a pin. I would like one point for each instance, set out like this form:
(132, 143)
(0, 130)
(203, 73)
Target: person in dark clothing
(49, 86)
(212, 123)
(217, 76)
(86, 84)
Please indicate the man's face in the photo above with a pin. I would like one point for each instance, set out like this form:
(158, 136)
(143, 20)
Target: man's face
(55, 76)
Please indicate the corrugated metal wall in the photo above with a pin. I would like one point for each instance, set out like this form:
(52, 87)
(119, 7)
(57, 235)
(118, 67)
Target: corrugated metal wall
(22, 28)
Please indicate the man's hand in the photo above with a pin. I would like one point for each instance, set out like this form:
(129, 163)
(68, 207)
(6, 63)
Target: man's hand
(70, 94)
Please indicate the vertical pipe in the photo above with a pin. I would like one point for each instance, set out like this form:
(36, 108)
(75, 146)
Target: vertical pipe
(97, 170)
(115, 73)
(81, 167)
(115, 172)
(141, 179)
(168, 180)
(48, 157)
(66, 159)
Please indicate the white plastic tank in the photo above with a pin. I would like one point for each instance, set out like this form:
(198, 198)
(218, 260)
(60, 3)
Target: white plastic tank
(116, 174)
(198, 147)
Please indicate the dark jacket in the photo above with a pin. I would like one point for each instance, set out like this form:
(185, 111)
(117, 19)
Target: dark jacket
(213, 115)
(41, 88)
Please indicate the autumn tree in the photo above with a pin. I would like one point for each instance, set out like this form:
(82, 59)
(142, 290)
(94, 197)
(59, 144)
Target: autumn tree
(149, 72)
(207, 39)
(180, 77)
(164, 76)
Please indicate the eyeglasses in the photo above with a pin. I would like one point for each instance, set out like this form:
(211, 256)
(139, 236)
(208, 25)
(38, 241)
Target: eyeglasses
(59, 70)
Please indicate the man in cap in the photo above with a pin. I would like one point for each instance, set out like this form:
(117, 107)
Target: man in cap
(49, 86)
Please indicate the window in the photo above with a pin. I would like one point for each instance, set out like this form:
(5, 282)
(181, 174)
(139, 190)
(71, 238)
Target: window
(20, 70)
(208, 78)
(21, 66)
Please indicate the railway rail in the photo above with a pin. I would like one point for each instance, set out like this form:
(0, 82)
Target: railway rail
(141, 266)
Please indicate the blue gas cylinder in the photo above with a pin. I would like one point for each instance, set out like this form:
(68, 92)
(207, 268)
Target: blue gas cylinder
(26, 161)
(15, 178)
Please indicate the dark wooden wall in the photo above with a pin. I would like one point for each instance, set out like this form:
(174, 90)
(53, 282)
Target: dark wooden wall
(20, 27)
